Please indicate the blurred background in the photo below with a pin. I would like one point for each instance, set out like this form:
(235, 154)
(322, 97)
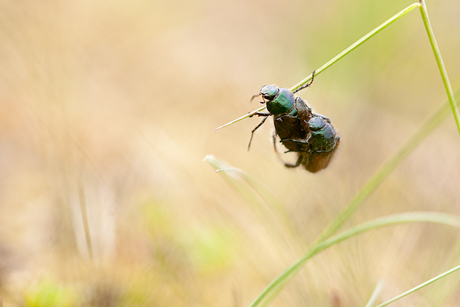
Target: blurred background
(108, 109)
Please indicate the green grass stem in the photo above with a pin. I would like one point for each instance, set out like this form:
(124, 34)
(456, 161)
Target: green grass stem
(335, 59)
(440, 62)
(426, 283)
(322, 241)
(387, 168)
(432, 217)
(357, 44)
(375, 294)
(265, 205)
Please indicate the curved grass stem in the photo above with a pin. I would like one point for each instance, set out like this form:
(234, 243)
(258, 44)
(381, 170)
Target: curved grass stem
(323, 241)
(432, 217)
(375, 181)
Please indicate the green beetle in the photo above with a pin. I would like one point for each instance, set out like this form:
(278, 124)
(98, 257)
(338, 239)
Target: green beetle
(311, 135)
(323, 143)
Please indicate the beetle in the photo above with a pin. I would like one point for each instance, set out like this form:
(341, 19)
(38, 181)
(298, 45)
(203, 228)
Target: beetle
(300, 130)
(320, 145)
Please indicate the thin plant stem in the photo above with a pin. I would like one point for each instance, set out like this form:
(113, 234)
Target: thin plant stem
(439, 61)
(324, 239)
(410, 145)
(84, 218)
(335, 59)
(383, 173)
(357, 44)
(389, 166)
(321, 242)
(375, 294)
(420, 286)
(254, 192)
(433, 217)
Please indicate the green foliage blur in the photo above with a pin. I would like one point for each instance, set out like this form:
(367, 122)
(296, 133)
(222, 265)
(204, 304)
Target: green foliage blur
(108, 109)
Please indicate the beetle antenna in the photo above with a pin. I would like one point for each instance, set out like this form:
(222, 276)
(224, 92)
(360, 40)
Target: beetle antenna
(255, 96)
(306, 85)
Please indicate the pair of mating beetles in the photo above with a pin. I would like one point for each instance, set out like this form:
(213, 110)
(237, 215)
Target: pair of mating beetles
(310, 135)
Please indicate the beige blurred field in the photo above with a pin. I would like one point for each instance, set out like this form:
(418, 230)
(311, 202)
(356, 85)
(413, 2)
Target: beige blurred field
(108, 109)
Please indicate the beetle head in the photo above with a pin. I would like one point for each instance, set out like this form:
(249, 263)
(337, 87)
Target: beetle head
(316, 123)
(269, 92)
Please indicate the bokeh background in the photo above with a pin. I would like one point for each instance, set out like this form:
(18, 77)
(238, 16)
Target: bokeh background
(108, 109)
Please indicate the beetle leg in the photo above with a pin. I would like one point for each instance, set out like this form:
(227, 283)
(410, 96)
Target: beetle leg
(299, 161)
(287, 164)
(274, 142)
(260, 114)
(312, 78)
(257, 127)
(296, 141)
(306, 85)
(301, 141)
(276, 149)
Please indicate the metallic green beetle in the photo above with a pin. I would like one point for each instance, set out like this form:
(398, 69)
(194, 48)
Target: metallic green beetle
(311, 135)
(323, 143)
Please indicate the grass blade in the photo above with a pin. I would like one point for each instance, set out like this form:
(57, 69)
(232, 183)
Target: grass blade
(439, 61)
(372, 184)
(433, 217)
(420, 286)
(267, 208)
(336, 58)
(387, 168)
(375, 294)
(357, 44)
(322, 241)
